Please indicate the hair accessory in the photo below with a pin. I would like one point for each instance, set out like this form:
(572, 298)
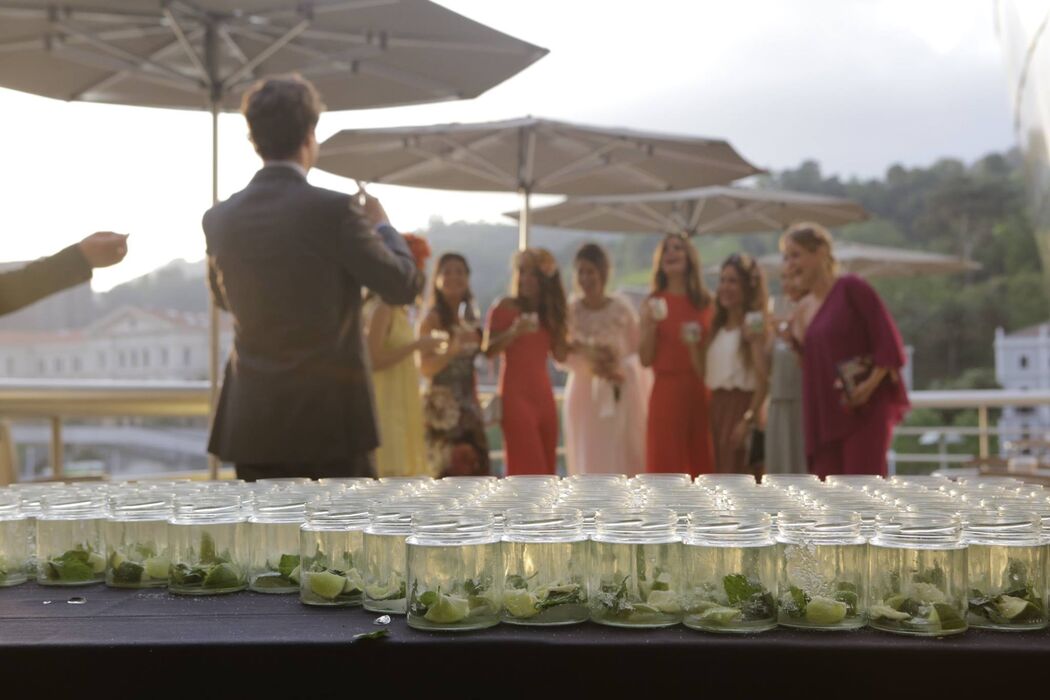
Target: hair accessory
(420, 249)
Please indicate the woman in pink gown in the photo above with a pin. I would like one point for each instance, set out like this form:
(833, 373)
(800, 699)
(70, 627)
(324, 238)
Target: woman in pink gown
(607, 390)
(852, 354)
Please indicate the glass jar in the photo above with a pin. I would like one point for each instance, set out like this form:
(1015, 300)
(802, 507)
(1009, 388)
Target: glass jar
(389, 526)
(1007, 570)
(69, 545)
(209, 545)
(14, 542)
(331, 549)
(822, 582)
(545, 565)
(636, 568)
(729, 564)
(277, 517)
(454, 570)
(136, 533)
(918, 575)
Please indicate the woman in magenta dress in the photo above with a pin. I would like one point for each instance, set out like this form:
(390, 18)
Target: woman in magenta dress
(526, 329)
(675, 321)
(852, 354)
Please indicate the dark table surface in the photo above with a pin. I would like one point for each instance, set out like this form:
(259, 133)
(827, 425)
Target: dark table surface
(249, 640)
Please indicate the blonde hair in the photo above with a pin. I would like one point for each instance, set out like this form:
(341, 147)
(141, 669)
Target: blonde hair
(811, 237)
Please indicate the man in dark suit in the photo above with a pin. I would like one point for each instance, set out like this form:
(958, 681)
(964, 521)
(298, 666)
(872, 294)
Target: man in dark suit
(288, 261)
(66, 268)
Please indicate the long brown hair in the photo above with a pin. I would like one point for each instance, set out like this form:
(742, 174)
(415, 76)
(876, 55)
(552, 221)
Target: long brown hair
(753, 284)
(552, 306)
(446, 314)
(698, 295)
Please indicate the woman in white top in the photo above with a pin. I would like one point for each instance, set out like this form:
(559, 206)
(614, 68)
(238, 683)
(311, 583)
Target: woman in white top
(607, 391)
(736, 371)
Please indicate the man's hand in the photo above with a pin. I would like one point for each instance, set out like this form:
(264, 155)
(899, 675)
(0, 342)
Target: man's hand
(374, 211)
(104, 248)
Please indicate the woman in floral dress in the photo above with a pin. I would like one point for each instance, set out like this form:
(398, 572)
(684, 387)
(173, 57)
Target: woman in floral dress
(455, 429)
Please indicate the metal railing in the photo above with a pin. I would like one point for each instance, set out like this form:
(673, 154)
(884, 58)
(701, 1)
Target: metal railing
(56, 401)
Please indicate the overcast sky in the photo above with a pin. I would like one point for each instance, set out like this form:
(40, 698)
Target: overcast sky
(857, 84)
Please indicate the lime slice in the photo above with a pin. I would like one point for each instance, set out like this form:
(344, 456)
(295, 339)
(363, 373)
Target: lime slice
(97, 562)
(879, 611)
(1011, 607)
(948, 616)
(520, 603)
(664, 601)
(378, 592)
(447, 610)
(116, 559)
(662, 582)
(222, 576)
(325, 584)
(825, 611)
(719, 615)
(896, 601)
(293, 575)
(699, 607)
(643, 609)
(354, 583)
(928, 593)
(157, 567)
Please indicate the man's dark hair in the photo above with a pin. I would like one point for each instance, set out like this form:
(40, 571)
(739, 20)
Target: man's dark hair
(281, 113)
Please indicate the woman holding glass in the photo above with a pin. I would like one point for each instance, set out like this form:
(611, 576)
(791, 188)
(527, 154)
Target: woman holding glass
(735, 370)
(392, 347)
(851, 360)
(524, 330)
(454, 427)
(674, 321)
(606, 394)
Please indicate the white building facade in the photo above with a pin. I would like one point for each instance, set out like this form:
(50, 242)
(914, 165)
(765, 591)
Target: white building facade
(129, 343)
(1022, 363)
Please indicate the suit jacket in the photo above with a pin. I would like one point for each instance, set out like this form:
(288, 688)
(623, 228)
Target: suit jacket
(288, 261)
(43, 278)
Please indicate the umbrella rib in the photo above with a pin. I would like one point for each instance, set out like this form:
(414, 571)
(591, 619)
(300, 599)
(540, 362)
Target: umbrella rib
(407, 171)
(232, 44)
(139, 63)
(659, 216)
(122, 69)
(467, 151)
(728, 218)
(698, 211)
(741, 166)
(552, 177)
(180, 36)
(266, 53)
(121, 74)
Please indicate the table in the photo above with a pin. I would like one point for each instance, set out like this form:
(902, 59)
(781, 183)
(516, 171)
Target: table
(153, 644)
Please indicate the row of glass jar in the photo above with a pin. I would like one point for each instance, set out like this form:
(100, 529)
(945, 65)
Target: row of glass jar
(918, 576)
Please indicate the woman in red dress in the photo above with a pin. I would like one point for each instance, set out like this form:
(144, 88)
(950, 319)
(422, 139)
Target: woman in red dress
(852, 354)
(675, 320)
(526, 329)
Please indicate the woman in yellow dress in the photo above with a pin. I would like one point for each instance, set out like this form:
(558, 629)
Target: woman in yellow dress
(392, 346)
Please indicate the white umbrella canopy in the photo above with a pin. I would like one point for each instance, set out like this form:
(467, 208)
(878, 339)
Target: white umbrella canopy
(175, 53)
(706, 210)
(881, 261)
(531, 156)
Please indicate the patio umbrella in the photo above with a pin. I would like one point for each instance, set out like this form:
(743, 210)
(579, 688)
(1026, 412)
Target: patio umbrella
(203, 54)
(531, 156)
(706, 210)
(880, 261)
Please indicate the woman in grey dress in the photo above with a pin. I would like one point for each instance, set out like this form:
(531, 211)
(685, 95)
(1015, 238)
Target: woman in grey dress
(785, 448)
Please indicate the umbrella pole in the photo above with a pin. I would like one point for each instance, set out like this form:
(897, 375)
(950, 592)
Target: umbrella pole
(213, 309)
(523, 221)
